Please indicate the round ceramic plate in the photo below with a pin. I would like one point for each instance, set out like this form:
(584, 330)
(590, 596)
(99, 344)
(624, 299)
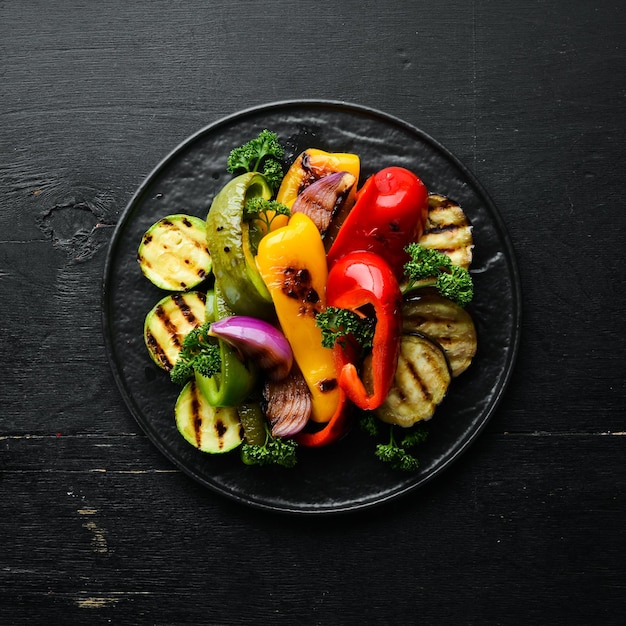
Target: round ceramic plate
(345, 476)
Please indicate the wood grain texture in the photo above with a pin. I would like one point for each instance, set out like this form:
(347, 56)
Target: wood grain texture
(494, 541)
(97, 526)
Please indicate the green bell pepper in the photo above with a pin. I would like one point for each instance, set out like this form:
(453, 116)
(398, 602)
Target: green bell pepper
(237, 378)
(232, 385)
(228, 240)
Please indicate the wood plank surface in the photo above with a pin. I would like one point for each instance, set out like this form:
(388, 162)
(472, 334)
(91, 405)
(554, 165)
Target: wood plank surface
(98, 527)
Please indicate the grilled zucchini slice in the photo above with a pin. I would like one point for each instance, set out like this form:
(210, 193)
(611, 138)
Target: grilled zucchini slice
(446, 323)
(208, 428)
(173, 253)
(448, 230)
(420, 383)
(169, 321)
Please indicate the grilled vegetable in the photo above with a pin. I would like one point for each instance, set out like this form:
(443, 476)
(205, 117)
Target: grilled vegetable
(325, 198)
(445, 322)
(253, 423)
(210, 429)
(448, 230)
(363, 281)
(233, 382)
(236, 376)
(420, 383)
(227, 235)
(311, 165)
(168, 322)
(292, 262)
(258, 341)
(173, 253)
(389, 213)
(287, 404)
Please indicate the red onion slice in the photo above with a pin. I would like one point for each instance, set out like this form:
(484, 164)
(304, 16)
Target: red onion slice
(257, 340)
(288, 404)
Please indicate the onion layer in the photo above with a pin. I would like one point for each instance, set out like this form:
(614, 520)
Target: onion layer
(324, 198)
(288, 404)
(257, 340)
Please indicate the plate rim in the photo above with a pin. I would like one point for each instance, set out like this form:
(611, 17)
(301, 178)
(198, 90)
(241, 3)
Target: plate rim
(511, 261)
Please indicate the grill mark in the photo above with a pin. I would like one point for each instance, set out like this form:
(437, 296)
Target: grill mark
(220, 429)
(196, 418)
(400, 392)
(185, 309)
(310, 176)
(435, 366)
(197, 243)
(141, 258)
(158, 351)
(171, 328)
(327, 385)
(310, 172)
(443, 228)
(186, 234)
(434, 323)
(297, 284)
(419, 381)
(417, 320)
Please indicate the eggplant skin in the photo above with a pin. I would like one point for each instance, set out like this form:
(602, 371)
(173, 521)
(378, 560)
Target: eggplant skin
(445, 322)
(420, 383)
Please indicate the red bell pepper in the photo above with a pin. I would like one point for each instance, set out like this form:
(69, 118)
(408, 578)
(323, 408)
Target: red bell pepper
(333, 430)
(390, 212)
(359, 281)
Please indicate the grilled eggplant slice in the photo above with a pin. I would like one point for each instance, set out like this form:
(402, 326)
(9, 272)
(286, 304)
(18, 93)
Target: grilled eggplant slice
(420, 383)
(169, 321)
(448, 230)
(210, 429)
(173, 253)
(446, 323)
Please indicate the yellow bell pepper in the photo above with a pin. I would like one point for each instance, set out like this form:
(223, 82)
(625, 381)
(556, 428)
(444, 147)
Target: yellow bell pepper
(311, 165)
(292, 262)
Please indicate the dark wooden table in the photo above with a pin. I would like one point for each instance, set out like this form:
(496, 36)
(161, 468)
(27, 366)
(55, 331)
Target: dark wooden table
(527, 527)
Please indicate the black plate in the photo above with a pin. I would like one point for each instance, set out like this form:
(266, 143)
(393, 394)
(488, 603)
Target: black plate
(345, 476)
